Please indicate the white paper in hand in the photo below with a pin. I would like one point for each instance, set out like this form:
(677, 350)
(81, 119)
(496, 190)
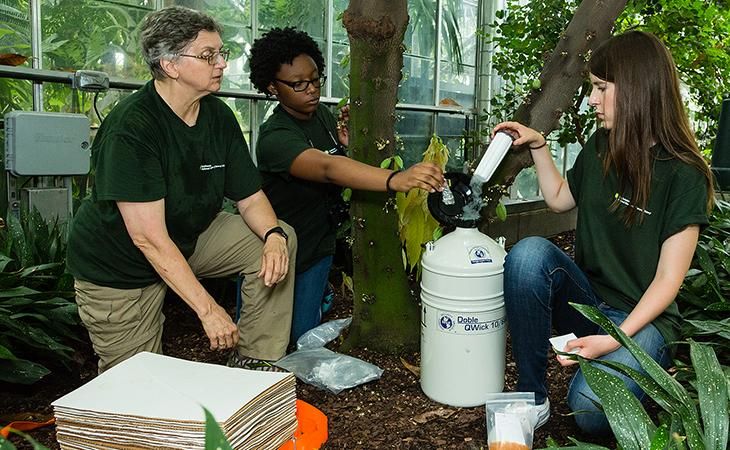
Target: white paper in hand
(559, 343)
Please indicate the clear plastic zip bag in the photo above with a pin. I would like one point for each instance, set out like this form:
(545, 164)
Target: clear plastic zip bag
(511, 419)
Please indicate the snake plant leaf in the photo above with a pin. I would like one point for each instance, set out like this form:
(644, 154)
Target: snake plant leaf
(21, 371)
(660, 440)
(705, 262)
(214, 437)
(713, 395)
(5, 353)
(630, 423)
(646, 383)
(34, 336)
(690, 417)
(34, 445)
(18, 241)
(19, 291)
(719, 327)
(578, 445)
(39, 268)
(4, 261)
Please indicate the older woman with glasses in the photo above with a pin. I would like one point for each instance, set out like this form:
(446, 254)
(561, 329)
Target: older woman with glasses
(164, 159)
(300, 153)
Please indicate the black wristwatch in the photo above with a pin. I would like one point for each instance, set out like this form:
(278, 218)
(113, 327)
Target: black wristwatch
(277, 230)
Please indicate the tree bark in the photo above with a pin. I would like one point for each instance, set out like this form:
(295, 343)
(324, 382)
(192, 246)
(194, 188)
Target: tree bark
(562, 75)
(385, 313)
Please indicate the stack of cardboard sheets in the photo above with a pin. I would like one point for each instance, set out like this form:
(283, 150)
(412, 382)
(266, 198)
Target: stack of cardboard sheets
(153, 401)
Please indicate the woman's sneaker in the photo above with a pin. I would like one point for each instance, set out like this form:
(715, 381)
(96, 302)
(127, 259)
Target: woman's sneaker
(245, 362)
(542, 413)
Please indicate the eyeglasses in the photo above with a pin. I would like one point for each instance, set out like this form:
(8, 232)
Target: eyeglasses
(212, 58)
(300, 86)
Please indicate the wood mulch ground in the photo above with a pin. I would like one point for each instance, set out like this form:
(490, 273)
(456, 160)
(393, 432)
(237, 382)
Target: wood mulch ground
(391, 412)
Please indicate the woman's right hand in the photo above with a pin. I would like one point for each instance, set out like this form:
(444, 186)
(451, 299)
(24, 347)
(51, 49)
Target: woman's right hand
(220, 329)
(425, 175)
(523, 135)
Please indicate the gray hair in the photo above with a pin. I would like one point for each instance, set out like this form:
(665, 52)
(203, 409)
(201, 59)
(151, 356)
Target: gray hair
(166, 33)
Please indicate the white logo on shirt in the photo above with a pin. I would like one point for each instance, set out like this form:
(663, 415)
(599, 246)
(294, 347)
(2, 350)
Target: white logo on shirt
(204, 167)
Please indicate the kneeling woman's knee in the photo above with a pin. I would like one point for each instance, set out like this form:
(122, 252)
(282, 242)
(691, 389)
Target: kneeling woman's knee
(527, 254)
(588, 415)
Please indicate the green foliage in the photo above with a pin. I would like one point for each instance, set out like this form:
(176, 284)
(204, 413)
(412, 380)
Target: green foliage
(7, 445)
(701, 424)
(703, 298)
(38, 322)
(697, 33)
(215, 439)
(523, 37)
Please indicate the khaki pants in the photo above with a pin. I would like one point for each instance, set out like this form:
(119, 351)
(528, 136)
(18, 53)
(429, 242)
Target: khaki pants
(124, 322)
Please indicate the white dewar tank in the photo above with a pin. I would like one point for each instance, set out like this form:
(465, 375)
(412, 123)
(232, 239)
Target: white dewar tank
(463, 320)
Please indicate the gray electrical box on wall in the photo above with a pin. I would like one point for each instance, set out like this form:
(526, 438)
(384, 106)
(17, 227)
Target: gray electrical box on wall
(44, 144)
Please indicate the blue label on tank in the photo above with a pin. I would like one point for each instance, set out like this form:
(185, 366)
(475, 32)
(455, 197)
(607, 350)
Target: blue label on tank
(446, 322)
(479, 255)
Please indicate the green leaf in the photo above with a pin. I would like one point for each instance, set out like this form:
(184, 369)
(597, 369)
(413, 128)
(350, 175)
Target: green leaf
(384, 164)
(689, 416)
(398, 162)
(5, 353)
(713, 395)
(343, 101)
(21, 371)
(660, 440)
(647, 384)
(214, 437)
(4, 261)
(6, 445)
(501, 211)
(34, 337)
(20, 291)
(34, 444)
(630, 423)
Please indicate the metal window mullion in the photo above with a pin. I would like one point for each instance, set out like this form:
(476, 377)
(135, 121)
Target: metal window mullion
(254, 115)
(36, 42)
(254, 20)
(329, 32)
(437, 76)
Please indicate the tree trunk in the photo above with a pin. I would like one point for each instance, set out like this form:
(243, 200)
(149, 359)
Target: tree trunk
(562, 75)
(385, 313)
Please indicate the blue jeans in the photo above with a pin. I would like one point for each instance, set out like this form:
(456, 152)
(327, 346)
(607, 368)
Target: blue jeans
(309, 289)
(539, 281)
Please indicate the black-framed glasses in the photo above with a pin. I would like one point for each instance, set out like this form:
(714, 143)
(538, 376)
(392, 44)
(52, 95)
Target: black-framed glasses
(212, 58)
(300, 86)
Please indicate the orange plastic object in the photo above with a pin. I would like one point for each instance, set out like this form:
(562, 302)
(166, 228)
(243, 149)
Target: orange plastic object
(26, 426)
(312, 429)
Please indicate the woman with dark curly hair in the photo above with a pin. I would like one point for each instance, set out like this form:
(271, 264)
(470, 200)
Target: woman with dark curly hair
(301, 157)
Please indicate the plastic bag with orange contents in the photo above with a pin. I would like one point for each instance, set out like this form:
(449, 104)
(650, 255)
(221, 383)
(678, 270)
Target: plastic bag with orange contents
(510, 420)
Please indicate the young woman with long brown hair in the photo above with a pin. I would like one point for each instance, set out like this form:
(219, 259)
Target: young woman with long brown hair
(643, 191)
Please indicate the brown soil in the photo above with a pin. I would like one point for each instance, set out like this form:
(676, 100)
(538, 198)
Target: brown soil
(391, 412)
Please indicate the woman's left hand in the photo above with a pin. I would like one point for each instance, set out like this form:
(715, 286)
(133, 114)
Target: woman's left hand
(274, 260)
(343, 121)
(593, 346)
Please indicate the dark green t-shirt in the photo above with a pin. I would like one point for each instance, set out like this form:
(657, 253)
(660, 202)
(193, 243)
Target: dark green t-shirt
(621, 261)
(144, 152)
(302, 204)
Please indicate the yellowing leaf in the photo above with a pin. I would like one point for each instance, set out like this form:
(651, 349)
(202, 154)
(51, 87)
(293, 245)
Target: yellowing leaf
(416, 226)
